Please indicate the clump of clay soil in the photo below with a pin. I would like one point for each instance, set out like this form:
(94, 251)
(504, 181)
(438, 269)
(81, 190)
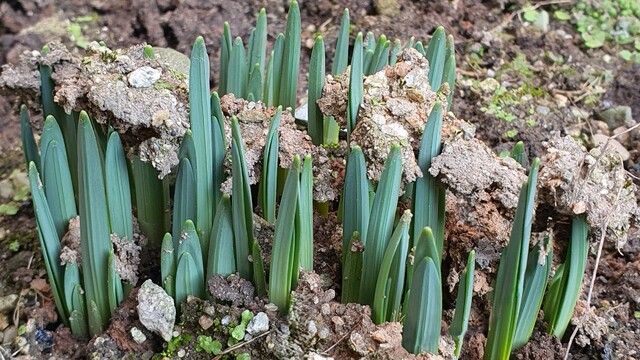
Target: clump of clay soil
(254, 119)
(593, 183)
(395, 107)
(144, 99)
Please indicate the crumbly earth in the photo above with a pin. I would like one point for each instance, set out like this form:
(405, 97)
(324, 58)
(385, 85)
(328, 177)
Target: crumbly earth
(254, 119)
(592, 183)
(102, 83)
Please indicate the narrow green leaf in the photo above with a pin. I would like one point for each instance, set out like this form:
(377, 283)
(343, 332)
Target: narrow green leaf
(184, 198)
(269, 176)
(381, 222)
(460, 320)
(200, 118)
(304, 216)
(449, 75)
(366, 61)
(151, 200)
(410, 44)
(71, 280)
(147, 52)
(95, 243)
(393, 56)
(254, 85)
(421, 329)
(258, 43)
(377, 54)
(94, 318)
(355, 85)
(352, 269)
(536, 276)
(356, 200)
(241, 206)
(188, 281)
(118, 189)
(237, 75)
(168, 265)
(114, 285)
(341, 55)
(268, 85)
(370, 42)
(386, 301)
(517, 153)
(221, 256)
(259, 277)
(428, 195)
(225, 54)
(78, 316)
(383, 59)
(436, 54)
(67, 122)
(280, 275)
(315, 125)
(219, 148)
(565, 287)
(420, 47)
(56, 176)
(29, 147)
(190, 244)
(49, 242)
(509, 287)
(290, 59)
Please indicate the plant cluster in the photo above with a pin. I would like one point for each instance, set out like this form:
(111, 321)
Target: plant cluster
(391, 262)
(608, 22)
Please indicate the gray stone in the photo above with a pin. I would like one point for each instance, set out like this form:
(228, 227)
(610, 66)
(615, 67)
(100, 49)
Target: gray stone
(144, 77)
(8, 303)
(156, 309)
(616, 116)
(137, 335)
(175, 59)
(10, 334)
(258, 324)
(599, 139)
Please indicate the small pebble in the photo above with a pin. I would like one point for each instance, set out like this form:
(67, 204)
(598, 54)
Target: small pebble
(258, 324)
(8, 303)
(205, 322)
(10, 334)
(144, 77)
(599, 139)
(137, 335)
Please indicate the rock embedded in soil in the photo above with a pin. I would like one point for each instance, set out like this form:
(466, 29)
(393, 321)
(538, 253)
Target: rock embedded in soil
(593, 183)
(145, 100)
(395, 107)
(254, 120)
(144, 77)
(258, 324)
(156, 309)
(8, 303)
(137, 335)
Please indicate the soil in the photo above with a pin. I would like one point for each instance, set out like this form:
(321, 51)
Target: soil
(559, 88)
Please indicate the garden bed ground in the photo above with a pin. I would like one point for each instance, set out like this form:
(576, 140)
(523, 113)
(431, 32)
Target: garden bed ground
(552, 86)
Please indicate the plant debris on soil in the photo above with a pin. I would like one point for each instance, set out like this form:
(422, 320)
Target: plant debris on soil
(573, 107)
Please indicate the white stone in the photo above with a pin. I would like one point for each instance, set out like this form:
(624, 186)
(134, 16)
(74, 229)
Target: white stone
(156, 310)
(137, 335)
(258, 324)
(144, 77)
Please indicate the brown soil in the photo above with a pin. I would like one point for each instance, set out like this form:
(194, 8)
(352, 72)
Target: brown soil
(475, 25)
